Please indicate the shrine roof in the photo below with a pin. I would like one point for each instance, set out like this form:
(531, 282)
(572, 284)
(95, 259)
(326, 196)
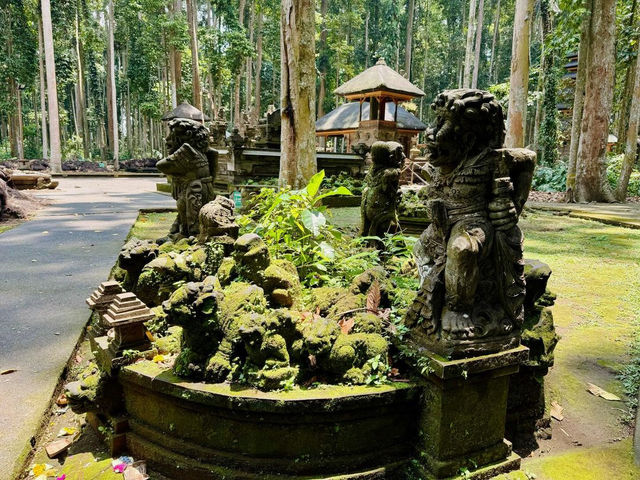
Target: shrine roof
(380, 77)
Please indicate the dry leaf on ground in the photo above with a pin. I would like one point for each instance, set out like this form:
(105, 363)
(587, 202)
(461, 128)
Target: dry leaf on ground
(599, 392)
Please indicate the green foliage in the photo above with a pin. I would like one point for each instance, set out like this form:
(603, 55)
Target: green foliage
(551, 178)
(354, 185)
(614, 167)
(294, 226)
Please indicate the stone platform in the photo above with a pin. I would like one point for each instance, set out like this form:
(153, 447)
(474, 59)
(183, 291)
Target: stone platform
(214, 431)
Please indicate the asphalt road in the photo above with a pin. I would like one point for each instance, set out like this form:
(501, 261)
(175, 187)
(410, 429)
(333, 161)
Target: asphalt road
(48, 267)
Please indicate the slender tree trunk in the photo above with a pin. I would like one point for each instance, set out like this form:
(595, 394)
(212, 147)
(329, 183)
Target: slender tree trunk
(237, 114)
(591, 181)
(258, 81)
(629, 82)
(297, 92)
(192, 16)
(631, 149)
(476, 62)
(52, 94)
(366, 40)
(468, 58)
(249, 68)
(409, 43)
(43, 97)
(112, 107)
(493, 73)
(519, 84)
(578, 104)
(80, 94)
(324, 6)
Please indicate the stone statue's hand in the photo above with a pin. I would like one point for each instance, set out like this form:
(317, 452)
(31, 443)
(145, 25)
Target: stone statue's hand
(503, 213)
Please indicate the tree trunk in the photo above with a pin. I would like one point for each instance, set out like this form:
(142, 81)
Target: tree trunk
(297, 92)
(80, 94)
(549, 130)
(52, 94)
(258, 92)
(112, 108)
(629, 82)
(493, 70)
(43, 97)
(409, 43)
(578, 105)
(631, 149)
(517, 114)
(323, 60)
(466, 75)
(192, 16)
(476, 63)
(237, 114)
(249, 68)
(591, 181)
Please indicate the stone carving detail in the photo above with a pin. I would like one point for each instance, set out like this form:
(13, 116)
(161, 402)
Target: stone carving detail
(470, 257)
(381, 196)
(192, 166)
(218, 222)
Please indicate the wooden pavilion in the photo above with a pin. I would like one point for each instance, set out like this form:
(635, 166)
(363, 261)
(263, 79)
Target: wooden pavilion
(373, 111)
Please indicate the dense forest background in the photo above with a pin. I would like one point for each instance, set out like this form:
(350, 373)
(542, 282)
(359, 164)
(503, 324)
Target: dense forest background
(437, 44)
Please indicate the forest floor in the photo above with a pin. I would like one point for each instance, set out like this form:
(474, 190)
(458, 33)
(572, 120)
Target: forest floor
(596, 277)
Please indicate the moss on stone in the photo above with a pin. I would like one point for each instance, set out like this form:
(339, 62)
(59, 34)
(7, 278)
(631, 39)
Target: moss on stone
(242, 296)
(170, 342)
(352, 354)
(227, 271)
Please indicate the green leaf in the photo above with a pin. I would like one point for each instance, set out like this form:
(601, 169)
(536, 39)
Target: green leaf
(313, 221)
(327, 250)
(338, 191)
(314, 183)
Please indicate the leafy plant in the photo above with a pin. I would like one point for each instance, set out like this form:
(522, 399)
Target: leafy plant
(550, 178)
(614, 167)
(294, 226)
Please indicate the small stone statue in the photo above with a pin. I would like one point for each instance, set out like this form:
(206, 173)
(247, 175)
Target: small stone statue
(381, 196)
(470, 257)
(192, 166)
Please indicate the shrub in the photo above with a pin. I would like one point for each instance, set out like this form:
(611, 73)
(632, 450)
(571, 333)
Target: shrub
(550, 178)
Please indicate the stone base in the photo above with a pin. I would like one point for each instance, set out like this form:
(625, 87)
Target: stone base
(483, 473)
(464, 410)
(214, 431)
(463, 348)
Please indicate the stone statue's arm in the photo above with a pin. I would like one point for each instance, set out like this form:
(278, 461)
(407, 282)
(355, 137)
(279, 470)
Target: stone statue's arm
(521, 163)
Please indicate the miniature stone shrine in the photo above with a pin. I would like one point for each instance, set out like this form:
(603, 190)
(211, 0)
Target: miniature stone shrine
(126, 316)
(99, 302)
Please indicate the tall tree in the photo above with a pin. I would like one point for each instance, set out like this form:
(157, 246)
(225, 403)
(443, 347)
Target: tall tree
(578, 103)
(52, 87)
(408, 49)
(591, 182)
(43, 96)
(192, 17)
(493, 74)
(297, 92)
(519, 80)
(468, 54)
(258, 80)
(112, 106)
(631, 148)
(478, 46)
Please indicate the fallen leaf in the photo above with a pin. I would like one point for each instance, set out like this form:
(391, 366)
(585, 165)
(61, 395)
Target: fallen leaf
(150, 336)
(158, 358)
(373, 296)
(62, 400)
(346, 325)
(556, 411)
(599, 392)
(8, 371)
(57, 447)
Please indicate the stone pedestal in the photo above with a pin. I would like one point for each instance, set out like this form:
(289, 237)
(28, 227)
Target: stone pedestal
(462, 422)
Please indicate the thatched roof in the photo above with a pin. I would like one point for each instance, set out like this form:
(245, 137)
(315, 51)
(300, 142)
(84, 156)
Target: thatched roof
(346, 117)
(379, 77)
(185, 110)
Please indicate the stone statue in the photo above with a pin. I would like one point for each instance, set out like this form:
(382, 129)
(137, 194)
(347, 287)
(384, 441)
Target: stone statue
(470, 257)
(381, 196)
(192, 166)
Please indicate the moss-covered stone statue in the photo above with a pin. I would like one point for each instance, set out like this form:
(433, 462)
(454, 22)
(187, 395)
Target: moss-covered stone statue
(470, 257)
(381, 196)
(192, 166)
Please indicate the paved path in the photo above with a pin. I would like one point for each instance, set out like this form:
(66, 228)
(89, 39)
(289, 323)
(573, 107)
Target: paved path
(48, 266)
(621, 214)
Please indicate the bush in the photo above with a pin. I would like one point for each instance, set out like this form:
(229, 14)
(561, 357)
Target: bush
(550, 179)
(614, 167)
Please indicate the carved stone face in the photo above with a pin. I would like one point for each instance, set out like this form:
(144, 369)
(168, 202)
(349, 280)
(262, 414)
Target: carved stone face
(387, 154)
(186, 131)
(467, 121)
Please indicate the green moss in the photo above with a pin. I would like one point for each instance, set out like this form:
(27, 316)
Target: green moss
(150, 226)
(242, 297)
(85, 466)
(614, 461)
(227, 271)
(170, 343)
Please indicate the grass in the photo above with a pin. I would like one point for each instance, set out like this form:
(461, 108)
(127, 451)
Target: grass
(150, 226)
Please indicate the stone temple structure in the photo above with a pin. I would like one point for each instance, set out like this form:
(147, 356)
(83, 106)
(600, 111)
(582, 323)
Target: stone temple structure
(373, 112)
